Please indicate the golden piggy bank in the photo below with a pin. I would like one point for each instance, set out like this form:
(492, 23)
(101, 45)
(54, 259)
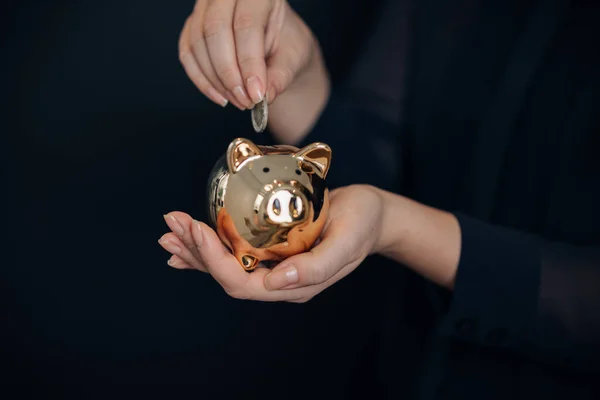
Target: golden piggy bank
(268, 203)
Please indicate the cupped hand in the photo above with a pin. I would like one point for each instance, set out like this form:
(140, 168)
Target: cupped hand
(238, 51)
(351, 234)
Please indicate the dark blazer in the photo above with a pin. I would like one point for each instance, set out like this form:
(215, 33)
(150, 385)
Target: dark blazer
(501, 125)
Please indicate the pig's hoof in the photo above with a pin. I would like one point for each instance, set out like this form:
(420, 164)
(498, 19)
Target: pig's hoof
(249, 262)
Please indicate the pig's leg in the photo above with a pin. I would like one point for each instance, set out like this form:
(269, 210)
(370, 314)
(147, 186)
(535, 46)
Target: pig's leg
(241, 249)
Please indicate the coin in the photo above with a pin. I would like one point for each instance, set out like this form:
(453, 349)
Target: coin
(260, 115)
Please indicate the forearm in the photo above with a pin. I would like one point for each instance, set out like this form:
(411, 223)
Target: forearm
(525, 293)
(295, 111)
(423, 238)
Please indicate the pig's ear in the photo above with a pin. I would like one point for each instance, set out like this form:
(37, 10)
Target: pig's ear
(315, 156)
(240, 150)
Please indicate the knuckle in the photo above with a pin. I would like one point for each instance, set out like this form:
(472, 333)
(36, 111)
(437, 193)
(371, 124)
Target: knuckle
(212, 26)
(228, 75)
(317, 274)
(244, 21)
(248, 62)
(183, 55)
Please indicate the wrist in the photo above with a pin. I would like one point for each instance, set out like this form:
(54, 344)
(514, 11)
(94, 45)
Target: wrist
(394, 225)
(425, 239)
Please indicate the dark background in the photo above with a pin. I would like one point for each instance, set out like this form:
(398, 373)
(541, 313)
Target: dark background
(104, 134)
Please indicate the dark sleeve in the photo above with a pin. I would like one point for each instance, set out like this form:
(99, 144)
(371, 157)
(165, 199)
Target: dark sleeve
(363, 144)
(519, 291)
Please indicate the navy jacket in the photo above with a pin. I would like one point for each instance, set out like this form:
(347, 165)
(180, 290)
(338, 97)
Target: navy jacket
(501, 125)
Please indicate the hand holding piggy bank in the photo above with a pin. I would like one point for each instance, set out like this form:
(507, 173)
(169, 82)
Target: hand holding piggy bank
(269, 202)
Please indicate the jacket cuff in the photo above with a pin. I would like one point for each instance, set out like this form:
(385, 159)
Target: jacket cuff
(496, 288)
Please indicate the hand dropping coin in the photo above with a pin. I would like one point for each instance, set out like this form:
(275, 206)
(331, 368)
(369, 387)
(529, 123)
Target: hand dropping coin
(260, 115)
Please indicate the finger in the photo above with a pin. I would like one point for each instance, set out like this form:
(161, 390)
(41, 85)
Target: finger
(227, 271)
(200, 52)
(249, 23)
(234, 101)
(277, 16)
(220, 43)
(178, 263)
(181, 224)
(314, 290)
(281, 70)
(213, 257)
(192, 69)
(317, 266)
(220, 263)
(285, 62)
(173, 244)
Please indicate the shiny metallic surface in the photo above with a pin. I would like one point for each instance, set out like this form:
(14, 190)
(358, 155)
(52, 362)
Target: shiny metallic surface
(268, 203)
(260, 116)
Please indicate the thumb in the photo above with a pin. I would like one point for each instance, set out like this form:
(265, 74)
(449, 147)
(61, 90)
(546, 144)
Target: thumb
(280, 74)
(292, 55)
(334, 252)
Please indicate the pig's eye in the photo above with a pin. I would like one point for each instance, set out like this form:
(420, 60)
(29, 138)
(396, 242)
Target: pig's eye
(266, 169)
(298, 172)
(277, 207)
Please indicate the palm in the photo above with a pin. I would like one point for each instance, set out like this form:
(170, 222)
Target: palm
(349, 236)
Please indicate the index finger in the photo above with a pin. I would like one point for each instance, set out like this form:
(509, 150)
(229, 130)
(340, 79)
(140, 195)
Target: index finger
(193, 70)
(249, 24)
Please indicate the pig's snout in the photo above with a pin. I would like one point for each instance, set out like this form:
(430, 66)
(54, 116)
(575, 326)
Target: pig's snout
(286, 207)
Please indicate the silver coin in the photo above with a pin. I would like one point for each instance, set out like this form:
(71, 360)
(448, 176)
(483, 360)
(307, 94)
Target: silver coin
(260, 115)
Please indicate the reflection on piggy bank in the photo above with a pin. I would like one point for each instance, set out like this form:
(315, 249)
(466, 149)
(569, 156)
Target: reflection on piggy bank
(268, 203)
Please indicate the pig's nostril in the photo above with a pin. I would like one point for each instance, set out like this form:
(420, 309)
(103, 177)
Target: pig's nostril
(298, 172)
(296, 206)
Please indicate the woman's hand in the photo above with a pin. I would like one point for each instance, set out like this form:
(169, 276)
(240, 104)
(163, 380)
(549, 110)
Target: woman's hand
(351, 233)
(239, 51)
(236, 50)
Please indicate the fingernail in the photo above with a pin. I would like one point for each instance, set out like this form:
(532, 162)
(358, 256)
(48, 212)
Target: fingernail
(242, 97)
(174, 225)
(170, 246)
(171, 262)
(255, 89)
(217, 97)
(282, 277)
(199, 236)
